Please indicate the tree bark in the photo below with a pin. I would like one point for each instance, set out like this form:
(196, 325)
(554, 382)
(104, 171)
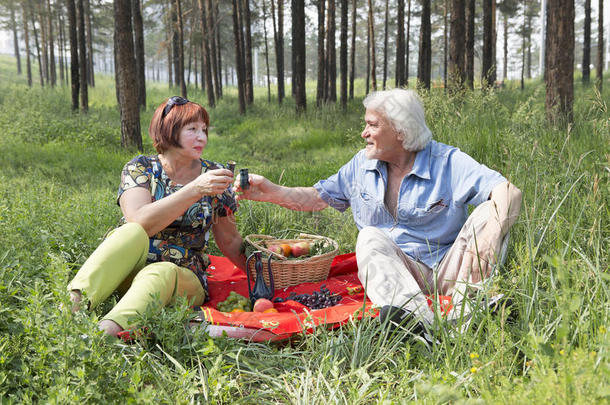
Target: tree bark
(90, 70)
(15, 37)
(407, 43)
(600, 47)
(180, 30)
(505, 48)
(74, 76)
(469, 57)
(424, 60)
(343, 55)
(385, 46)
(207, 56)
(400, 44)
(456, 47)
(321, 59)
(169, 32)
(138, 30)
(211, 44)
(560, 62)
(61, 42)
(82, 57)
(332, 53)
(266, 52)
(298, 49)
(586, 44)
(445, 48)
(131, 135)
(26, 37)
(372, 45)
(52, 67)
(248, 54)
(219, 53)
(488, 68)
(352, 68)
(239, 58)
(278, 38)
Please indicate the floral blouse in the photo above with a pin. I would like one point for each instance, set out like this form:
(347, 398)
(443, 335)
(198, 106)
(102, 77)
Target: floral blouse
(184, 241)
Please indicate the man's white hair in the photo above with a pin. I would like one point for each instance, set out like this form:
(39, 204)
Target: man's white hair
(405, 112)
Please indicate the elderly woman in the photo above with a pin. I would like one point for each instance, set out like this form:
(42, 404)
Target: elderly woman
(170, 203)
(409, 197)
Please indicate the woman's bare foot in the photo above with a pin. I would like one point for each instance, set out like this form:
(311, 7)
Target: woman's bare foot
(109, 327)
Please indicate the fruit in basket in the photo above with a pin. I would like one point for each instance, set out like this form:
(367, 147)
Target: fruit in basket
(276, 249)
(262, 304)
(271, 311)
(287, 250)
(300, 249)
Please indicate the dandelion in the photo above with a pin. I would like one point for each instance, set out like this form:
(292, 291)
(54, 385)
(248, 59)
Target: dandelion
(473, 370)
(602, 330)
(562, 352)
(474, 356)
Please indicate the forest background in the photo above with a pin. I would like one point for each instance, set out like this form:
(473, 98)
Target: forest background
(62, 151)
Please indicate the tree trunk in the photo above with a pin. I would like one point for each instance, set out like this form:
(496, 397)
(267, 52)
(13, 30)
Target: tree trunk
(586, 44)
(175, 45)
(368, 60)
(407, 43)
(372, 45)
(445, 48)
(385, 46)
(61, 42)
(352, 67)
(131, 135)
(424, 60)
(138, 30)
(266, 52)
(74, 77)
(180, 72)
(600, 46)
(343, 55)
(488, 68)
(298, 49)
(321, 59)
(523, 44)
(505, 49)
(43, 43)
(332, 54)
(456, 47)
(239, 58)
(560, 62)
(53, 69)
(248, 54)
(400, 44)
(26, 38)
(90, 70)
(169, 34)
(15, 37)
(207, 56)
(219, 53)
(82, 57)
(528, 73)
(211, 44)
(469, 57)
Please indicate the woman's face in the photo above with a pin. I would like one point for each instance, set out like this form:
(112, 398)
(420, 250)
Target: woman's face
(193, 138)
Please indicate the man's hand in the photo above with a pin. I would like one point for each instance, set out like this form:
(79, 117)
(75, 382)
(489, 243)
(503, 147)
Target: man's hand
(259, 188)
(479, 258)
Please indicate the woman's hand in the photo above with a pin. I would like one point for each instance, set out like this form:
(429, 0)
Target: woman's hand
(212, 182)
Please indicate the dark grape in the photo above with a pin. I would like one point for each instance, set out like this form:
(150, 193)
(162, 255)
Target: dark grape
(316, 300)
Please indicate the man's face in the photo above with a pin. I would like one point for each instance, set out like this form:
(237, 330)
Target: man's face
(382, 141)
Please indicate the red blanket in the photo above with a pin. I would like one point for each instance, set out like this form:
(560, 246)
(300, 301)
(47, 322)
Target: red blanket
(292, 317)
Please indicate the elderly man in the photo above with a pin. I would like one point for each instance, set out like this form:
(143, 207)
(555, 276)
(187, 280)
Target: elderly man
(409, 197)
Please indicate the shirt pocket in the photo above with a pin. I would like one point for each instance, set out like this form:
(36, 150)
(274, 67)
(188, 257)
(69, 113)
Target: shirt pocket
(369, 211)
(431, 211)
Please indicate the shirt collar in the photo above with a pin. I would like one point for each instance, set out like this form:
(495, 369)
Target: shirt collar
(421, 166)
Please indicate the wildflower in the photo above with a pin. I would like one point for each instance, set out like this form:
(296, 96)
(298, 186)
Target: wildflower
(602, 330)
(473, 370)
(562, 352)
(529, 363)
(474, 356)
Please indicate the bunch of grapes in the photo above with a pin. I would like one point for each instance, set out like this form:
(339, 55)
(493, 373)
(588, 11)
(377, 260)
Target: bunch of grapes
(316, 300)
(234, 301)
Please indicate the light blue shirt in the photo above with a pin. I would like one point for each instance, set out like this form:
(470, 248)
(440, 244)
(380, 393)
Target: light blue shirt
(432, 203)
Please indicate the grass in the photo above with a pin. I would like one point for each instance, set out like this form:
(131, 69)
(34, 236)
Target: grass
(59, 172)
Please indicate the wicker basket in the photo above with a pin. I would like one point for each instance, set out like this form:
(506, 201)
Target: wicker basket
(295, 271)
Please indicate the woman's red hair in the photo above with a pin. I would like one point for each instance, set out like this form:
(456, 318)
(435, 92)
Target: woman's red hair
(165, 132)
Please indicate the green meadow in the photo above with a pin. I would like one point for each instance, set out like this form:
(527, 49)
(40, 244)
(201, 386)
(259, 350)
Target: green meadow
(59, 174)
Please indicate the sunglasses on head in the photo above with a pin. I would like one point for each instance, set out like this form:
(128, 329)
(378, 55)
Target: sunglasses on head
(175, 100)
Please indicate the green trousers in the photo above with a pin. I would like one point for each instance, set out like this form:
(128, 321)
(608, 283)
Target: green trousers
(119, 263)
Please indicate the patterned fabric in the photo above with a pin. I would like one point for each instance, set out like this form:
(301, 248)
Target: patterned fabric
(184, 241)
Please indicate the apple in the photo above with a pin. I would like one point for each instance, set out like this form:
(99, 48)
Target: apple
(262, 304)
(276, 249)
(300, 249)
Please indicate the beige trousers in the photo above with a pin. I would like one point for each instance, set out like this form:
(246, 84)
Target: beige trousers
(391, 277)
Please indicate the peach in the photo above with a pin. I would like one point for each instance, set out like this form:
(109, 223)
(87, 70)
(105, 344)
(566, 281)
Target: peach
(300, 249)
(262, 304)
